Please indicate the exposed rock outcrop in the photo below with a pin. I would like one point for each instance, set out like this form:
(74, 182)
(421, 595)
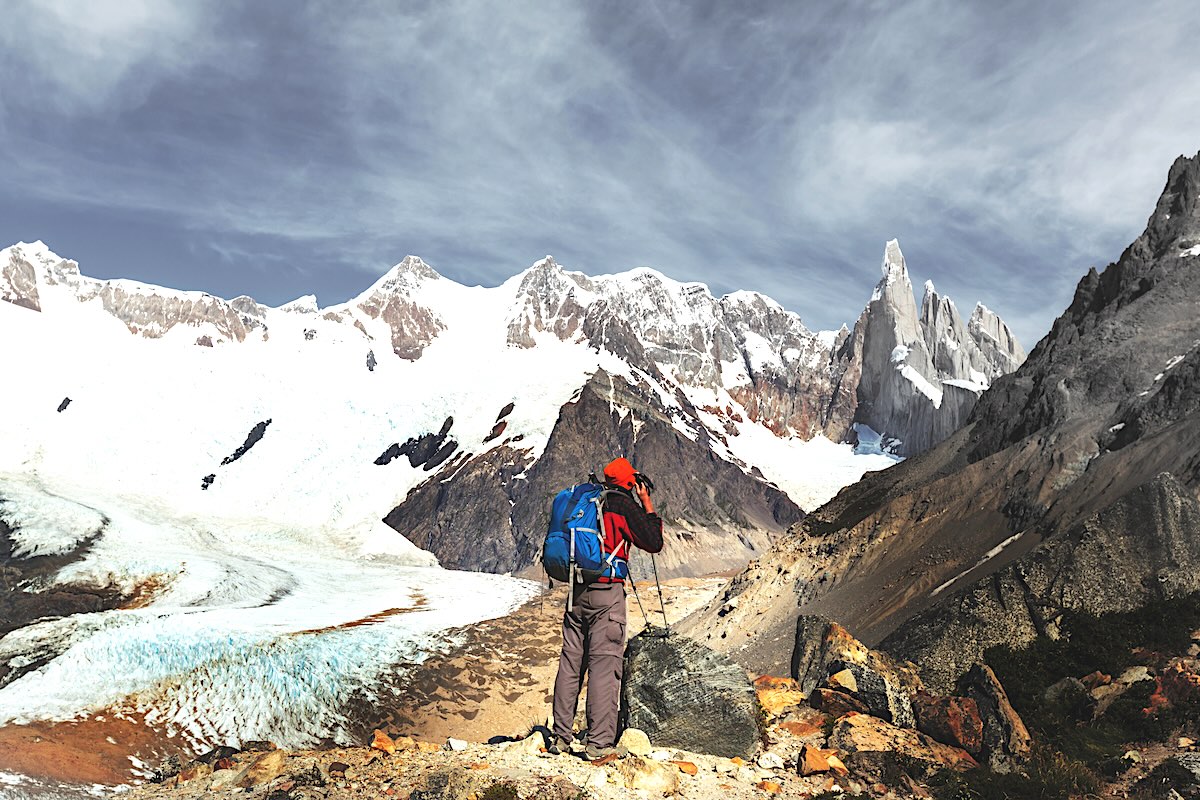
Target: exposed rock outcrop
(391, 299)
(1140, 549)
(1006, 742)
(252, 438)
(505, 494)
(921, 375)
(682, 694)
(883, 685)
(18, 281)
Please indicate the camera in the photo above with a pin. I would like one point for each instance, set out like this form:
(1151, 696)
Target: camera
(644, 480)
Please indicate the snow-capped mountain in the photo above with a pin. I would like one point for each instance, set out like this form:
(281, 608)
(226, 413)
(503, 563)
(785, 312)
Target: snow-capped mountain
(221, 470)
(426, 369)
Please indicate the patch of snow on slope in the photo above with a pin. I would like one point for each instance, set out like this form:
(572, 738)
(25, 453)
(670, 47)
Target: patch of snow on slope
(809, 472)
(988, 556)
(828, 338)
(969, 385)
(1194, 251)
(763, 357)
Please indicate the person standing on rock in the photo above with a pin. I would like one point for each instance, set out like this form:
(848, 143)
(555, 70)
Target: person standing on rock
(594, 623)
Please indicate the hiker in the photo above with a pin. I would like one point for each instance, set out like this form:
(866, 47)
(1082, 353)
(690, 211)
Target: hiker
(594, 623)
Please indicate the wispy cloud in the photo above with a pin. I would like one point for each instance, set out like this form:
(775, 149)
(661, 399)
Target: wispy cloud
(773, 147)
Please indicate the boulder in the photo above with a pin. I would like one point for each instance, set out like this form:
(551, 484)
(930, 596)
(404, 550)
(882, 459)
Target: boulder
(835, 703)
(777, 695)
(531, 745)
(869, 742)
(950, 720)
(636, 742)
(884, 685)
(684, 695)
(1006, 741)
(813, 760)
(650, 776)
(381, 741)
(264, 769)
(771, 761)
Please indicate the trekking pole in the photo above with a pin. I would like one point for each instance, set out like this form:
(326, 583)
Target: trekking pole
(662, 606)
(638, 598)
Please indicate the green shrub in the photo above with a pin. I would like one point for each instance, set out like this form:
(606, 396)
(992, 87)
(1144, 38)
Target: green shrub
(1089, 643)
(1049, 776)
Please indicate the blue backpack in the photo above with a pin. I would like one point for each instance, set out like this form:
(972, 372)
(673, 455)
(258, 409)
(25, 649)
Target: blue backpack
(574, 546)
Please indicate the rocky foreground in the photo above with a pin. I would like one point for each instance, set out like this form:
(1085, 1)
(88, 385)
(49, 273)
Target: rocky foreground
(855, 724)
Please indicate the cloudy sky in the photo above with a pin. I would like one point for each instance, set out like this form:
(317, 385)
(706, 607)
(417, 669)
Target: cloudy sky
(278, 148)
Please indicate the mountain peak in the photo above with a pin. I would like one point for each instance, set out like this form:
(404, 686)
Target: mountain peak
(404, 278)
(37, 249)
(893, 262)
(306, 304)
(1175, 224)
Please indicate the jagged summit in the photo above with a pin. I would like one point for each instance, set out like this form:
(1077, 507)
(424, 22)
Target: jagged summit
(893, 262)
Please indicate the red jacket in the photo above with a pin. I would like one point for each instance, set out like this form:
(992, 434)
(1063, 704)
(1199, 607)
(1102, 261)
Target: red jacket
(626, 520)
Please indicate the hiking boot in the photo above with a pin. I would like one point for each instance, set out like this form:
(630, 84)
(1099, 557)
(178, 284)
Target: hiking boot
(595, 753)
(558, 745)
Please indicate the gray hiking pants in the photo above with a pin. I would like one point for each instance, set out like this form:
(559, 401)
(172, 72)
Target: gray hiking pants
(593, 642)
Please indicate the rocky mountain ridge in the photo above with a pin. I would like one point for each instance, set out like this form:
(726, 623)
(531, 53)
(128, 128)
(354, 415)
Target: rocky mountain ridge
(1072, 486)
(682, 381)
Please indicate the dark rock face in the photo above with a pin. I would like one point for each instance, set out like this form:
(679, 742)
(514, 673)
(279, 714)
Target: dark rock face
(681, 694)
(1142, 548)
(477, 514)
(1122, 327)
(1104, 404)
(883, 686)
(207, 480)
(253, 438)
(427, 451)
(1006, 742)
(66, 401)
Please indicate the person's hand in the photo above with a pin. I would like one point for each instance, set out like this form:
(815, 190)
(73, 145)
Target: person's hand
(644, 495)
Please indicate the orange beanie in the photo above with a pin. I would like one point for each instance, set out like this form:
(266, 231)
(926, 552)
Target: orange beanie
(620, 472)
